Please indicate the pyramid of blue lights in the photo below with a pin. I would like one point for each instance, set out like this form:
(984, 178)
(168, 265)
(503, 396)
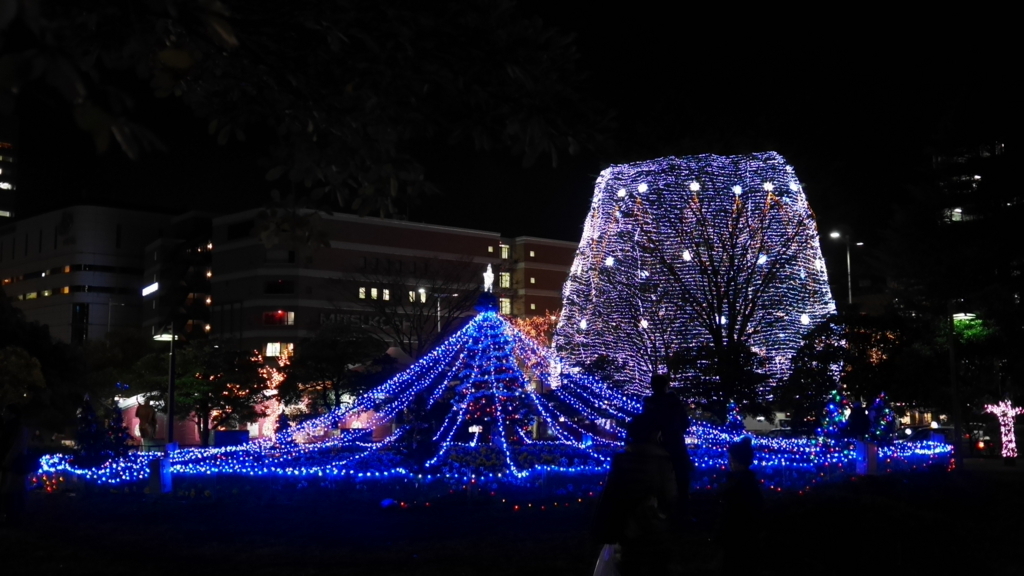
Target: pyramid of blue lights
(489, 402)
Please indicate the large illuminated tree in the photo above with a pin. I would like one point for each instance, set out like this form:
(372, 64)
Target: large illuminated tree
(712, 254)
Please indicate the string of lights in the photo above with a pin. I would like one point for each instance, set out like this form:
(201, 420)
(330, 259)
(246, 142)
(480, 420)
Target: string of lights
(1007, 414)
(688, 251)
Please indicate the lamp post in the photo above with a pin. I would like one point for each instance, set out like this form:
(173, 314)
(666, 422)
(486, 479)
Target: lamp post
(170, 383)
(423, 292)
(958, 429)
(849, 273)
(154, 288)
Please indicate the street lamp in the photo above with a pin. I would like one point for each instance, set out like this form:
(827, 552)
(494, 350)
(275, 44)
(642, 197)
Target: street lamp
(423, 293)
(849, 274)
(170, 383)
(163, 337)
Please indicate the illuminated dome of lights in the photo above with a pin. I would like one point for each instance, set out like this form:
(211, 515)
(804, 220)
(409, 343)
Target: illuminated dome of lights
(681, 252)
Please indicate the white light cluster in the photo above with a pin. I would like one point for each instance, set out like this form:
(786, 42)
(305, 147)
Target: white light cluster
(662, 244)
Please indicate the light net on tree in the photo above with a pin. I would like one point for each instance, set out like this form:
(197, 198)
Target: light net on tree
(696, 251)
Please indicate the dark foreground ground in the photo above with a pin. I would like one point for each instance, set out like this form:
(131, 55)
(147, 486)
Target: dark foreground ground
(926, 523)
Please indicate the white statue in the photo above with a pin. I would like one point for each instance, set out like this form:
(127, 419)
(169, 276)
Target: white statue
(488, 279)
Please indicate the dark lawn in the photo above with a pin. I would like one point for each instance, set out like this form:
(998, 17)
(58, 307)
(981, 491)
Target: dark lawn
(927, 523)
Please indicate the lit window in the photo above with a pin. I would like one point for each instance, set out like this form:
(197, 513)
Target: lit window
(47, 293)
(412, 295)
(504, 252)
(533, 306)
(31, 296)
(67, 269)
(505, 280)
(532, 254)
(67, 290)
(385, 294)
(490, 248)
(279, 318)
(505, 305)
(373, 293)
(5, 214)
(533, 280)
(275, 349)
(423, 296)
(362, 292)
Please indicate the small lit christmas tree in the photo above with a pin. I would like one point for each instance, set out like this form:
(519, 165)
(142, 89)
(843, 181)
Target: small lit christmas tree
(118, 439)
(883, 420)
(833, 422)
(735, 421)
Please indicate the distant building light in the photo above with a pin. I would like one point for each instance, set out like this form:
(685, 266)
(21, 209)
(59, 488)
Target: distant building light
(151, 288)
(5, 214)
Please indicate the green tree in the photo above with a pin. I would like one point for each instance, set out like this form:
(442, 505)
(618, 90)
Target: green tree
(62, 367)
(21, 377)
(817, 366)
(345, 93)
(336, 362)
(110, 362)
(716, 377)
(213, 387)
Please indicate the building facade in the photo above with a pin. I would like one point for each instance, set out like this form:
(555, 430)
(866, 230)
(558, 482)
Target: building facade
(8, 182)
(364, 271)
(78, 270)
(87, 270)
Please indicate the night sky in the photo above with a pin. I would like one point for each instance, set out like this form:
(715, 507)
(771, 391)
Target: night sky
(855, 102)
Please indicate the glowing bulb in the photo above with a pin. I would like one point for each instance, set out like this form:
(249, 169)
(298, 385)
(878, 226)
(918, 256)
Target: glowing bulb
(641, 188)
(621, 193)
(737, 190)
(609, 261)
(768, 186)
(794, 186)
(583, 324)
(643, 323)
(687, 256)
(694, 187)
(805, 319)
(762, 259)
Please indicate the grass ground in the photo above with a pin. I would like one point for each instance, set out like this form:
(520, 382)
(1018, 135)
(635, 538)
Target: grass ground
(926, 523)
